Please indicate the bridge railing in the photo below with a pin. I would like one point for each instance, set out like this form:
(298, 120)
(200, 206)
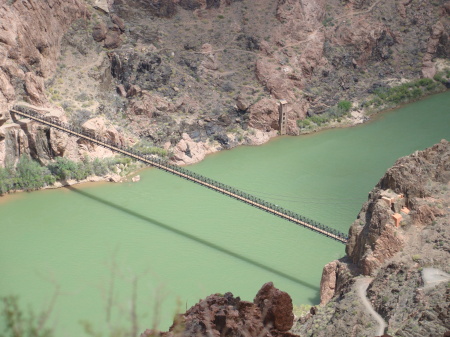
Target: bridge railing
(187, 174)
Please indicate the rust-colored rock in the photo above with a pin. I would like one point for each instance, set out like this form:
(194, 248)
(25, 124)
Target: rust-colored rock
(34, 85)
(99, 31)
(118, 21)
(264, 115)
(134, 91)
(113, 39)
(373, 238)
(148, 104)
(30, 36)
(328, 282)
(32, 30)
(276, 307)
(226, 315)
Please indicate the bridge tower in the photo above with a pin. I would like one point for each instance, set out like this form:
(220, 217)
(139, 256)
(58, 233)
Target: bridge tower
(282, 112)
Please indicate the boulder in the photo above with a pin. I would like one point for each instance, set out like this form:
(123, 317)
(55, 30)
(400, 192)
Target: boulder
(148, 104)
(99, 32)
(118, 21)
(242, 102)
(134, 91)
(276, 307)
(98, 126)
(113, 39)
(101, 5)
(188, 151)
(121, 90)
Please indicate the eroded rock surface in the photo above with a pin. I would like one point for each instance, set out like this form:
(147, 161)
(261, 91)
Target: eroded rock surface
(269, 315)
(395, 254)
(374, 237)
(31, 33)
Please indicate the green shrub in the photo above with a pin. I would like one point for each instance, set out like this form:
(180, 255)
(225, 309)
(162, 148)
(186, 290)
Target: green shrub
(303, 123)
(319, 120)
(63, 168)
(423, 82)
(30, 174)
(147, 148)
(344, 105)
(100, 167)
(328, 22)
(406, 91)
(6, 179)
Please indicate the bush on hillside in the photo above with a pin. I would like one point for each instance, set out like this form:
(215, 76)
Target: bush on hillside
(344, 105)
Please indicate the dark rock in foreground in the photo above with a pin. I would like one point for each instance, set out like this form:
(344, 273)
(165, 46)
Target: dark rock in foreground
(270, 315)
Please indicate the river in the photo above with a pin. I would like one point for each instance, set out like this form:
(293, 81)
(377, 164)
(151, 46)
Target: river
(174, 242)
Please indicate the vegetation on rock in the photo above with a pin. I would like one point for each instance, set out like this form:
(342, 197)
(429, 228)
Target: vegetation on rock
(29, 175)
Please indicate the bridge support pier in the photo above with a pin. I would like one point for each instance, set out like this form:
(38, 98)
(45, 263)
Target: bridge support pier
(282, 111)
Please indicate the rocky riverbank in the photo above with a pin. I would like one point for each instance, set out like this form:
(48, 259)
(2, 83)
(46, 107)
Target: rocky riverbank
(203, 76)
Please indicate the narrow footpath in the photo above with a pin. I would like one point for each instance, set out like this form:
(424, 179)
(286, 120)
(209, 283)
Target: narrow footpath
(361, 286)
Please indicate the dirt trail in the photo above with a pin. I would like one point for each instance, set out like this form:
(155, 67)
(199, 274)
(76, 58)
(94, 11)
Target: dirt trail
(361, 287)
(433, 276)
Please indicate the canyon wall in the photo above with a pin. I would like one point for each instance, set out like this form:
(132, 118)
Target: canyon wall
(210, 72)
(30, 40)
(401, 231)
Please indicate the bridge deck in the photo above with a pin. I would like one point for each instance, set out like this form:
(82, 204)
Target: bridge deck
(186, 174)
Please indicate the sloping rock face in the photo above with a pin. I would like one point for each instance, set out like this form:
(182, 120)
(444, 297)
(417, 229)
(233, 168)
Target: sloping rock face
(373, 237)
(101, 128)
(31, 33)
(30, 38)
(417, 187)
(269, 315)
(238, 58)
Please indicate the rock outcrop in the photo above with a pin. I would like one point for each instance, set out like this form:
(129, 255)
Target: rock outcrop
(400, 232)
(208, 68)
(404, 189)
(276, 307)
(43, 143)
(31, 33)
(438, 32)
(101, 128)
(189, 152)
(30, 38)
(269, 315)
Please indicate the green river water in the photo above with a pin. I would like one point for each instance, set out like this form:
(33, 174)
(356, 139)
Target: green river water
(182, 242)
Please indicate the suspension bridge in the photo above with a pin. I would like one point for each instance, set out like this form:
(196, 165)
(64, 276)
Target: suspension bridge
(164, 165)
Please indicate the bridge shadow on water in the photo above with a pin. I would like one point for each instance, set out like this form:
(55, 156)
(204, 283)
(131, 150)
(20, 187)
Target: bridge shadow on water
(196, 239)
